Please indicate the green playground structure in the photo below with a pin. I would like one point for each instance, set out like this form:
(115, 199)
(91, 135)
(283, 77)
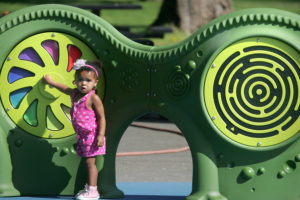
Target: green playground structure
(232, 88)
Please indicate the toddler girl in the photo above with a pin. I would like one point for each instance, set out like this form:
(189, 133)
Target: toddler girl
(88, 120)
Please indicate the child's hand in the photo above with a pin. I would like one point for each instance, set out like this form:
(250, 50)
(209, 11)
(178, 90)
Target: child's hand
(100, 141)
(47, 79)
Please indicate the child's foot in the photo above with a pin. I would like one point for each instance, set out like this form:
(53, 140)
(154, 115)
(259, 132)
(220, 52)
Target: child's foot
(82, 191)
(89, 193)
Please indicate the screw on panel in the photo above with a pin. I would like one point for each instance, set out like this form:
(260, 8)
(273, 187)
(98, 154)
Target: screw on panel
(154, 94)
(178, 68)
(66, 150)
(248, 173)
(7, 109)
(259, 144)
(53, 35)
(199, 53)
(231, 165)
(220, 156)
(261, 171)
(214, 117)
(114, 64)
(105, 52)
(192, 64)
(258, 40)
(148, 69)
(112, 101)
(50, 136)
(73, 151)
(18, 143)
(9, 58)
(281, 174)
(213, 66)
(297, 158)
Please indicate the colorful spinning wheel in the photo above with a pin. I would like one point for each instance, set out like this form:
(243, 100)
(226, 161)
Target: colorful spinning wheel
(35, 107)
(255, 99)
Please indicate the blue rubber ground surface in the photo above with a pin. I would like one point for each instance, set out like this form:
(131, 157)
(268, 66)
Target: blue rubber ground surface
(136, 191)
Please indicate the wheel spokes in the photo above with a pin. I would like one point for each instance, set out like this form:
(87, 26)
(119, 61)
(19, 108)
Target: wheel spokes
(35, 107)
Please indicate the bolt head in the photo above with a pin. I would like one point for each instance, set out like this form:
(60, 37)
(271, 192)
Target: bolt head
(248, 172)
(261, 170)
(259, 144)
(297, 158)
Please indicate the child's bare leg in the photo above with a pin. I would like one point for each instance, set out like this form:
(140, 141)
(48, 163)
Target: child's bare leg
(92, 171)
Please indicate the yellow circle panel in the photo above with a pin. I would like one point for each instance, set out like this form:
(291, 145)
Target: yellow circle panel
(252, 92)
(32, 105)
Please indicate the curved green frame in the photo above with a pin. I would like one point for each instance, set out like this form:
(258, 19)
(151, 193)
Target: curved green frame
(173, 81)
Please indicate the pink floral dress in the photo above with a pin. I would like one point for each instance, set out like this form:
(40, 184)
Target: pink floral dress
(85, 125)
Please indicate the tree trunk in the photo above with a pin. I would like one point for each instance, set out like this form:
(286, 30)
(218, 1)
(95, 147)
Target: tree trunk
(189, 15)
(168, 14)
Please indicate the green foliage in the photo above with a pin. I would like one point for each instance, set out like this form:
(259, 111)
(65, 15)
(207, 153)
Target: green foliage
(140, 17)
(289, 5)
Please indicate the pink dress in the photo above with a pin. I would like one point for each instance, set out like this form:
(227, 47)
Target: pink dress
(85, 125)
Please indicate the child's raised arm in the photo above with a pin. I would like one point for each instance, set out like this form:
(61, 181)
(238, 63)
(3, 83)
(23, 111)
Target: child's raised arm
(61, 87)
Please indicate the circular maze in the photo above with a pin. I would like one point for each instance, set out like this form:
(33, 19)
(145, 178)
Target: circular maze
(252, 91)
(35, 107)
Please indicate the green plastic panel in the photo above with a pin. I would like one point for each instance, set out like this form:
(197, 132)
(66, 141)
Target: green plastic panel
(232, 88)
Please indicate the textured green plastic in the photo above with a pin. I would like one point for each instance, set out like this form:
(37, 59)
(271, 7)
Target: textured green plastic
(232, 88)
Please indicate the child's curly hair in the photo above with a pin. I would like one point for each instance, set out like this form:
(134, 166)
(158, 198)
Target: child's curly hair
(97, 64)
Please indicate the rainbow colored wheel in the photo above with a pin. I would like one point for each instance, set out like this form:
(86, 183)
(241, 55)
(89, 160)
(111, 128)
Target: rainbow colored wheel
(255, 99)
(32, 105)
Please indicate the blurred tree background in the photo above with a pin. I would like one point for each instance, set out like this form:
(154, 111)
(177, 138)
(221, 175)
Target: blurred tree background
(190, 15)
(183, 16)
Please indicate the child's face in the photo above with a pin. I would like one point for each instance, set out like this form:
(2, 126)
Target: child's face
(86, 81)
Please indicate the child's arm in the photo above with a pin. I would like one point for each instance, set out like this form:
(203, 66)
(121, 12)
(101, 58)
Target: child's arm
(99, 110)
(63, 88)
